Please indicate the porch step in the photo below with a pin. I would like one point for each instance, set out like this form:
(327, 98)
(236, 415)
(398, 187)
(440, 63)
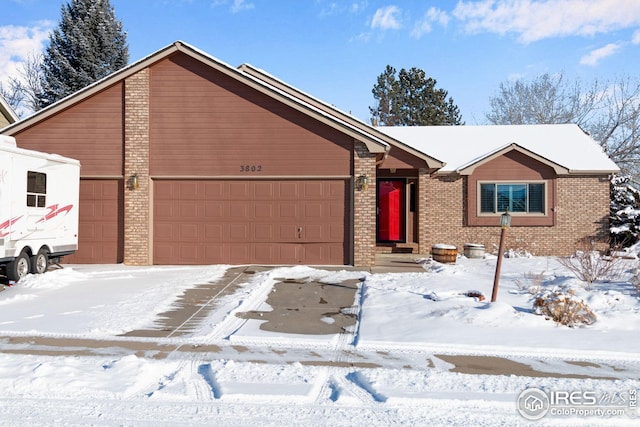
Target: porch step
(395, 248)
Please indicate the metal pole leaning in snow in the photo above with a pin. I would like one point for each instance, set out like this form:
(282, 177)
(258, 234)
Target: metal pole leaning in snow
(505, 222)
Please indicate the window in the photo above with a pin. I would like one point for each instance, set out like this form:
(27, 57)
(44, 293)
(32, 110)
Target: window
(514, 197)
(36, 189)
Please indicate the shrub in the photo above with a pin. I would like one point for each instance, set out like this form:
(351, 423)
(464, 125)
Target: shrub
(564, 307)
(589, 265)
(530, 283)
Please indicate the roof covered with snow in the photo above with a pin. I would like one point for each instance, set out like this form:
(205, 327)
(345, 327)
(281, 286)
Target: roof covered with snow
(459, 147)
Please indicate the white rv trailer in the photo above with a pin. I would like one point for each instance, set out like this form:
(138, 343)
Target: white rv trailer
(38, 209)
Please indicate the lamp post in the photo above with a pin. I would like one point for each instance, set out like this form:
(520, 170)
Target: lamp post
(505, 222)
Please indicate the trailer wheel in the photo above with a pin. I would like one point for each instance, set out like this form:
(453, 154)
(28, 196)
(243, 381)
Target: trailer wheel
(40, 262)
(18, 268)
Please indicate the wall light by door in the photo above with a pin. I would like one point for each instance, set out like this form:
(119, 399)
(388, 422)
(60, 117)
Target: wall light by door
(362, 183)
(133, 182)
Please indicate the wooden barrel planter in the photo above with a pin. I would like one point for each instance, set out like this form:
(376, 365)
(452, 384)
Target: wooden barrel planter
(446, 254)
(473, 250)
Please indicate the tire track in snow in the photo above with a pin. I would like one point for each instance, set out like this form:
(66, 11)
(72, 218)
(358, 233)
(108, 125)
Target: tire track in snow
(336, 383)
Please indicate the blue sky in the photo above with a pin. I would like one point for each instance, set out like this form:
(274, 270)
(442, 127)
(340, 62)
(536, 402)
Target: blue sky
(335, 49)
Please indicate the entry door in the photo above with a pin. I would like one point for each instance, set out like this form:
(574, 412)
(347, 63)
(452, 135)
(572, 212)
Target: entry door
(391, 210)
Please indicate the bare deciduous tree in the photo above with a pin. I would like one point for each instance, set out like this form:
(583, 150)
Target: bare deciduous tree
(23, 92)
(608, 111)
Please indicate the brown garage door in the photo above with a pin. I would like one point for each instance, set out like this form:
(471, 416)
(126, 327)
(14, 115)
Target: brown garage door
(248, 222)
(100, 231)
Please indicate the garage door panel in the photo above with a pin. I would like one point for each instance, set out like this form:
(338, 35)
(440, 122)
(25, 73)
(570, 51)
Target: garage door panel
(263, 210)
(238, 251)
(313, 210)
(189, 210)
(188, 252)
(238, 211)
(287, 210)
(243, 222)
(213, 232)
(238, 190)
(314, 190)
(186, 189)
(287, 233)
(214, 254)
(288, 190)
(213, 210)
(188, 232)
(100, 231)
(263, 232)
(239, 232)
(213, 190)
(164, 231)
(264, 191)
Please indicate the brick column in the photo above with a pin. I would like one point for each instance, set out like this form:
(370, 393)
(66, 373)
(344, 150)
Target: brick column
(137, 219)
(423, 215)
(364, 208)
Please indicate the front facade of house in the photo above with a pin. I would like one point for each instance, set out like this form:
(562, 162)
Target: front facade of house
(186, 160)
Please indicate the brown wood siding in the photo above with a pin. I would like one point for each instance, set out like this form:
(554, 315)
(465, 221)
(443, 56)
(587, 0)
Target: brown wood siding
(517, 167)
(100, 236)
(91, 131)
(204, 123)
(399, 159)
(250, 221)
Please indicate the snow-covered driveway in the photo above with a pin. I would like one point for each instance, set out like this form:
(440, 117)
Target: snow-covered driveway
(64, 361)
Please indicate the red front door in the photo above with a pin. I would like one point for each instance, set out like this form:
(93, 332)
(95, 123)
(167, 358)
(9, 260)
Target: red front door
(391, 212)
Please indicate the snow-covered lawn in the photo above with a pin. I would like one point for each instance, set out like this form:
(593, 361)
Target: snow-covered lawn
(391, 368)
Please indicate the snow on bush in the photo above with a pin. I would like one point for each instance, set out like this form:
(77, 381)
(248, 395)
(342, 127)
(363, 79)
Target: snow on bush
(590, 266)
(624, 216)
(563, 306)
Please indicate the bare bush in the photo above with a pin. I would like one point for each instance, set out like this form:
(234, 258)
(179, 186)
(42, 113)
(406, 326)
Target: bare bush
(589, 265)
(530, 283)
(564, 307)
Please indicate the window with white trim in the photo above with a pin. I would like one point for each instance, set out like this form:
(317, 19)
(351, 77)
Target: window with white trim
(517, 197)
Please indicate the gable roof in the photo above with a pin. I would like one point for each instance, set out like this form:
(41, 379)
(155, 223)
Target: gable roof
(8, 112)
(376, 141)
(564, 147)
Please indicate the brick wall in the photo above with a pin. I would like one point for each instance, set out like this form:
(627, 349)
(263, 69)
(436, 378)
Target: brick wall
(582, 214)
(364, 206)
(137, 214)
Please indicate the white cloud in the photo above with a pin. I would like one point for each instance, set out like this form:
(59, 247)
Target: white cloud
(635, 39)
(17, 43)
(240, 5)
(236, 5)
(340, 7)
(597, 55)
(425, 24)
(386, 18)
(537, 20)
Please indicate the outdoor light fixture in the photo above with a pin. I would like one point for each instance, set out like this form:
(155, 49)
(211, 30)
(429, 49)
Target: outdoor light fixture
(362, 183)
(505, 222)
(133, 182)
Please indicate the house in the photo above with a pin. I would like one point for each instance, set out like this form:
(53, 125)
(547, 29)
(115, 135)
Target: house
(553, 180)
(7, 115)
(187, 160)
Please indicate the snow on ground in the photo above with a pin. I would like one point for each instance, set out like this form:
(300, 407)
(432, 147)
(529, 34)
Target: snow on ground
(403, 317)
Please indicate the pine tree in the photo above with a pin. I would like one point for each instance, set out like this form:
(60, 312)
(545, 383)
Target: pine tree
(411, 99)
(88, 45)
(624, 219)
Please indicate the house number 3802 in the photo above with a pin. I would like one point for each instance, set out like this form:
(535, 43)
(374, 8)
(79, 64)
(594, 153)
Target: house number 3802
(250, 168)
